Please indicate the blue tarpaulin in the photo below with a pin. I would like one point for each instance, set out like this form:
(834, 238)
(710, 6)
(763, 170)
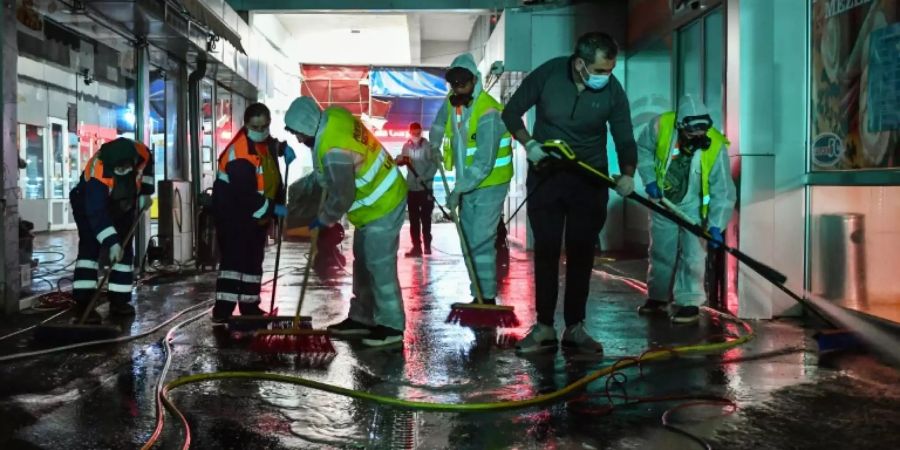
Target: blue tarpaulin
(406, 82)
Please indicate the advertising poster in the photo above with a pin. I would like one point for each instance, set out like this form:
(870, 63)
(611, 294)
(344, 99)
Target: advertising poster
(855, 71)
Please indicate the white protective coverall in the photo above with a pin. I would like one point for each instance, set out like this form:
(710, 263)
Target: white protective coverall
(675, 251)
(480, 208)
(376, 287)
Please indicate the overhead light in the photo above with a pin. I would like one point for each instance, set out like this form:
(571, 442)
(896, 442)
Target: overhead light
(354, 31)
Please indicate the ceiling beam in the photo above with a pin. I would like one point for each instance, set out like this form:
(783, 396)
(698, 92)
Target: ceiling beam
(375, 5)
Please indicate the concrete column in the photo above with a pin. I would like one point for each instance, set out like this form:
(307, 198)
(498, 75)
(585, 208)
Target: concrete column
(142, 133)
(9, 177)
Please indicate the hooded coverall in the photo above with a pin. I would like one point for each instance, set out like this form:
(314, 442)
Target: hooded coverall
(480, 205)
(103, 205)
(675, 252)
(345, 176)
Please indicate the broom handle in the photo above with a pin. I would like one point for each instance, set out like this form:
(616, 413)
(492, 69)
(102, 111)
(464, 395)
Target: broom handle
(465, 244)
(96, 296)
(279, 226)
(415, 174)
(313, 250)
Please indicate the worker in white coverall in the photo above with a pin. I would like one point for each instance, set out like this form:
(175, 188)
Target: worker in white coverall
(360, 179)
(683, 158)
(475, 142)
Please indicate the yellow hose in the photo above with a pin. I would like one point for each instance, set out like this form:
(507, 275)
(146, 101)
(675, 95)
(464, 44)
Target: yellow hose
(649, 356)
(655, 355)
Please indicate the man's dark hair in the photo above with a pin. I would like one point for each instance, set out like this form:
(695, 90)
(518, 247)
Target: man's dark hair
(256, 110)
(415, 126)
(588, 44)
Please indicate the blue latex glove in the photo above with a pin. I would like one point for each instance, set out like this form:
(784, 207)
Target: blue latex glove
(316, 223)
(280, 211)
(653, 191)
(289, 155)
(717, 238)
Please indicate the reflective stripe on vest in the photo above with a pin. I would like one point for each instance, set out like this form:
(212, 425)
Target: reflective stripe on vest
(503, 170)
(665, 151)
(239, 148)
(379, 186)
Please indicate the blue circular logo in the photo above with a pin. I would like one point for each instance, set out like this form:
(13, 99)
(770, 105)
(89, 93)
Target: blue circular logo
(828, 149)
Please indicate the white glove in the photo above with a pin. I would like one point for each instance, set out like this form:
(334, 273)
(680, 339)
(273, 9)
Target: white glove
(624, 185)
(535, 152)
(143, 202)
(115, 253)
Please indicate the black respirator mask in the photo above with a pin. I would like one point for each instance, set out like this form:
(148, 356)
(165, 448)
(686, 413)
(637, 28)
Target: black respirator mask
(694, 124)
(460, 99)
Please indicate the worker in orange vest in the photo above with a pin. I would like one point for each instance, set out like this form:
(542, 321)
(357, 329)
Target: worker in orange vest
(247, 192)
(116, 183)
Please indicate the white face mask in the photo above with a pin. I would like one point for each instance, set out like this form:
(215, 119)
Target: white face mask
(416, 139)
(122, 171)
(258, 136)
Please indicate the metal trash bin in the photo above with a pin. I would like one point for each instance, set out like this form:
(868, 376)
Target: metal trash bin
(842, 258)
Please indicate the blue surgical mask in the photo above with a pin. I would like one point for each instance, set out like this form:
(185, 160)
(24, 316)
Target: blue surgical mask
(594, 81)
(258, 136)
(597, 81)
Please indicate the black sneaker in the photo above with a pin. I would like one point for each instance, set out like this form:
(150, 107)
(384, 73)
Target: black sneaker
(686, 314)
(222, 311)
(653, 307)
(382, 336)
(413, 252)
(121, 309)
(349, 327)
(93, 317)
(428, 249)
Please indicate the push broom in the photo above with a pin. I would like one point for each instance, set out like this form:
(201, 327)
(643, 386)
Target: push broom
(478, 314)
(250, 323)
(298, 338)
(830, 339)
(79, 331)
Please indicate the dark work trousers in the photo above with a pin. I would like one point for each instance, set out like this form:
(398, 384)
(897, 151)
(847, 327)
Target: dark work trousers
(420, 206)
(564, 200)
(87, 264)
(242, 245)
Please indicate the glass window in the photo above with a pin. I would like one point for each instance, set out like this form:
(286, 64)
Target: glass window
(32, 144)
(690, 49)
(58, 155)
(714, 66)
(855, 72)
(224, 119)
(157, 121)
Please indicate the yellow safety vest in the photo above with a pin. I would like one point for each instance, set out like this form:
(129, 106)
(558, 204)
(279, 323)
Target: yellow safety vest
(379, 186)
(503, 169)
(664, 152)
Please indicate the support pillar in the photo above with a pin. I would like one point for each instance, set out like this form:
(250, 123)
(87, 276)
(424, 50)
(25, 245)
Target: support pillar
(142, 134)
(10, 284)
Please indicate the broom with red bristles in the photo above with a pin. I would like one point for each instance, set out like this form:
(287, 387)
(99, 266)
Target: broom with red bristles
(300, 337)
(478, 314)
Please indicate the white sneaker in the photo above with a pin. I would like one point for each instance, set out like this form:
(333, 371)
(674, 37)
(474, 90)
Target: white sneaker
(577, 338)
(540, 338)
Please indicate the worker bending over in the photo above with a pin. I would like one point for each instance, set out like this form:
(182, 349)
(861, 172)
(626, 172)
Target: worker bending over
(247, 193)
(360, 179)
(683, 159)
(417, 155)
(576, 99)
(477, 145)
(117, 182)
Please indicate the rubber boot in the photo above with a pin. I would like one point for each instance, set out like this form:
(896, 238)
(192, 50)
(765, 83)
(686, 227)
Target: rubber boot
(222, 311)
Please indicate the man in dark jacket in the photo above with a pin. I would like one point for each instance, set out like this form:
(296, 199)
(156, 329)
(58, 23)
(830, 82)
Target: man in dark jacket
(576, 99)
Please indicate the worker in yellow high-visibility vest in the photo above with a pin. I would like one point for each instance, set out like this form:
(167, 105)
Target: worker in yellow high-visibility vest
(683, 158)
(359, 179)
(478, 148)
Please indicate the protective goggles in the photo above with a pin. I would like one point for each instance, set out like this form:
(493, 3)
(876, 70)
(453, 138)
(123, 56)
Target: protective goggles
(458, 76)
(693, 124)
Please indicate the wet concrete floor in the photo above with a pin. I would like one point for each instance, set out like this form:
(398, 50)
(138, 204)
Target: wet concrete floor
(103, 398)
